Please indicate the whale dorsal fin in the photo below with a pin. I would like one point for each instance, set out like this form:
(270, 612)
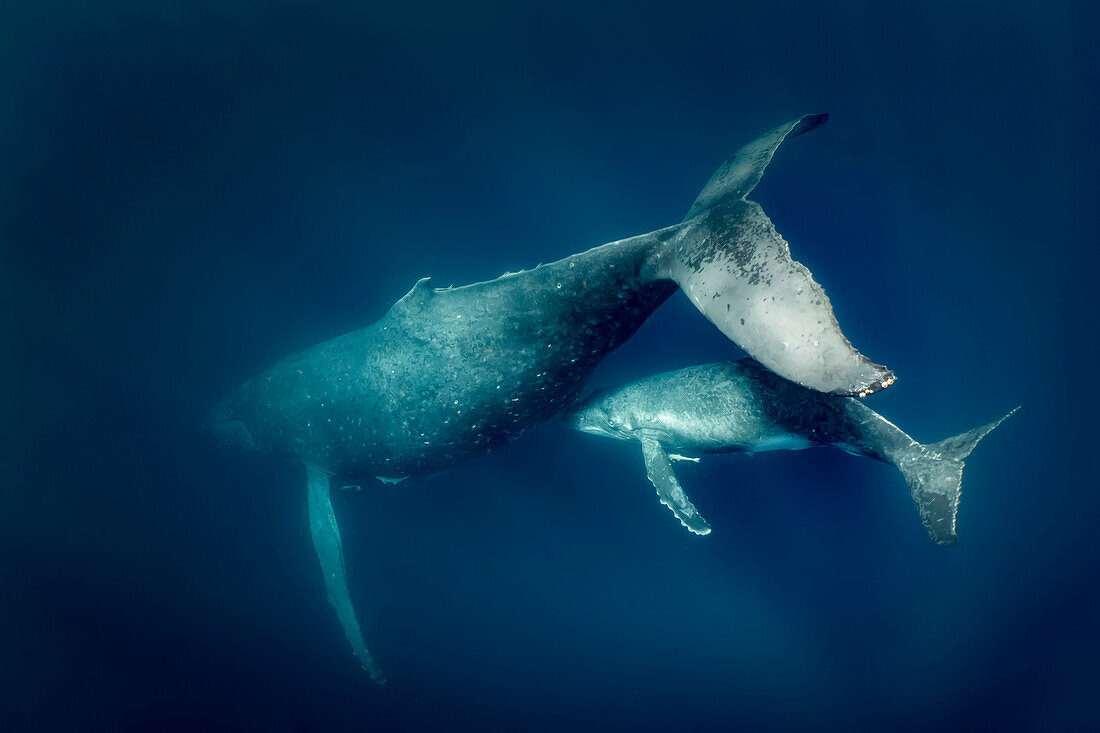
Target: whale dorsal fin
(659, 468)
(326, 540)
(415, 299)
(738, 176)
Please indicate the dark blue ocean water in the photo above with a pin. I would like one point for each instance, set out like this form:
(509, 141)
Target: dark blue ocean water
(190, 191)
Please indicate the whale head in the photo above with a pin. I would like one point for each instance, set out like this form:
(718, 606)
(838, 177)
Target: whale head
(596, 417)
(226, 423)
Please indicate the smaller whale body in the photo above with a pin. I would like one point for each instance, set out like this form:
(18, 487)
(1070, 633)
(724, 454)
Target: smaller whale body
(741, 407)
(449, 373)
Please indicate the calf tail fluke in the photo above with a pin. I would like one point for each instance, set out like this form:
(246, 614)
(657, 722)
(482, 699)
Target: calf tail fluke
(738, 270)
(934, 473)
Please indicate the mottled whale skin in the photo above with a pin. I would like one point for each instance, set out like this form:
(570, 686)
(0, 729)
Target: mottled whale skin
(453, 372)
(741, 407)
(449, 373)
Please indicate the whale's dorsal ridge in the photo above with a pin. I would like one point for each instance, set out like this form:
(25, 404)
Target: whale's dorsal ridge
(419, 294)
(738, 176)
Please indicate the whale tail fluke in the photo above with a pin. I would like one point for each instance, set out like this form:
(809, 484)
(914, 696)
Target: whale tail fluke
(739, 174)
(934, 473)
(738, 270)
(326, 540)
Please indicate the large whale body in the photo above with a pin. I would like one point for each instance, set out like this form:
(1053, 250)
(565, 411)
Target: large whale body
(448, 373)
(741, 407)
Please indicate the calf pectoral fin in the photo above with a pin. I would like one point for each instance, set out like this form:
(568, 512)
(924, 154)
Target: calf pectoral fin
(659, 468)
(326, 540)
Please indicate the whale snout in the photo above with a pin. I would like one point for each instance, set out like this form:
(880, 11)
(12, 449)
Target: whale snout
(220, 413)
(584, 422)
(595, 419)
(583, 416)
(225, 424)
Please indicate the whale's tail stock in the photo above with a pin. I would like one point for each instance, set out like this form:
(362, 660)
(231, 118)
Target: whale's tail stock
(736, 268)
(934, 473)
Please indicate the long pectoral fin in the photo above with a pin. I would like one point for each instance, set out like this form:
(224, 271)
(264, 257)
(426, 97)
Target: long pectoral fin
(326, 540)
(659, 468)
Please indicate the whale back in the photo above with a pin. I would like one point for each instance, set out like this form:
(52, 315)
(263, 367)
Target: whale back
(447, 373)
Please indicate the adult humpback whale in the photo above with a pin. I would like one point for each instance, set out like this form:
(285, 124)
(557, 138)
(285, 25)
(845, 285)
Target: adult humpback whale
(741, 407)
(447, 373)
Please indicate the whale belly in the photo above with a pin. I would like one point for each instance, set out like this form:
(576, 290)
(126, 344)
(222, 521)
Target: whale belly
(783, 441)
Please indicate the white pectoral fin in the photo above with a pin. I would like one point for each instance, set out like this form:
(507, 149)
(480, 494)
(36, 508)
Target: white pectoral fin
(659, 468)
(326, 540)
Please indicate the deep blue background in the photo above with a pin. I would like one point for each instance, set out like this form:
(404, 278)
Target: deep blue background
(189, 192)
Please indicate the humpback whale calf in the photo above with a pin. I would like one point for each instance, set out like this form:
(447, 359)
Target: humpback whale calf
(448, 373)
(741, 407)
